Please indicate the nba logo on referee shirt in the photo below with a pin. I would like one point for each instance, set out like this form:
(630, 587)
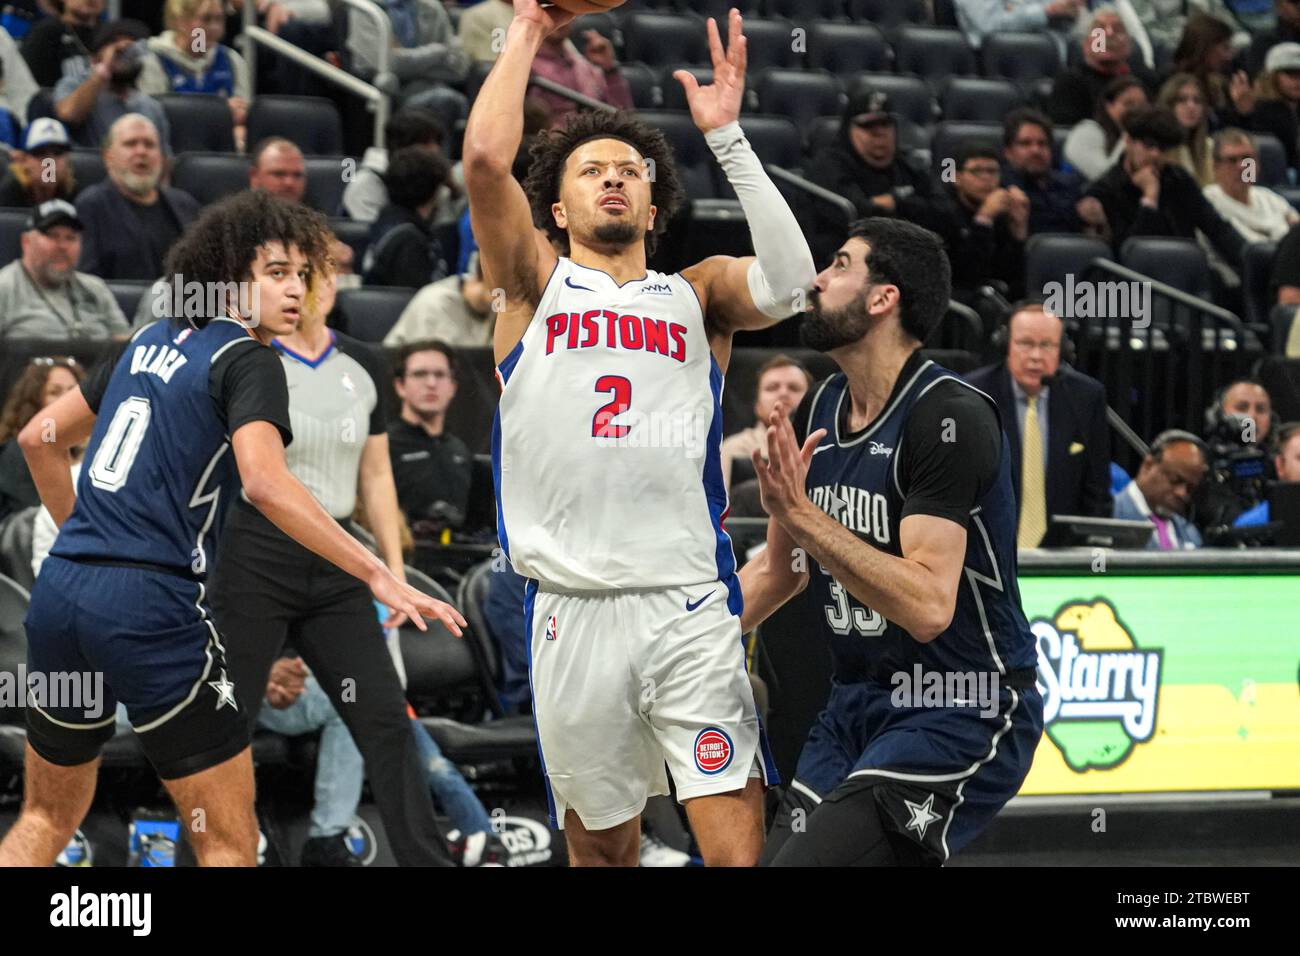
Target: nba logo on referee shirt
(551, 631)
(712, 751)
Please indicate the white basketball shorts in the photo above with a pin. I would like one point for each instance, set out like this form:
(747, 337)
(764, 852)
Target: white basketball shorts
(628, 682)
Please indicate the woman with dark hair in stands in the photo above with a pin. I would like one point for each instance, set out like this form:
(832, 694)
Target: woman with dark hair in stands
(1182, 94)
(40, 383)
(1205, 51)
(1095, 144)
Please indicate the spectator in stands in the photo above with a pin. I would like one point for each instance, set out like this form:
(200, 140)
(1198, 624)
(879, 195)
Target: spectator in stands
(866, 168)
(41, 382)
(1146, 195)
(1106, 47)
(1272, 104)
(1286, 30)
(1286, 463)
(1257, 212)
(1094, 145)
(781, 381)
(18, 87)
(1205, 51)
(40, 170)
(980, 18)
(1161, 493)
(1056, 202)
(456, 310)
(43, 296)
(425, 57)
(366, 195)
(984, 226)
(1247, 399)
(1064, 467)
(483, 29)
(131, 218)
(278, 167)
(1182, 95)
(55, 40)
(1165, 20)
(431, 466)
(594, 72)
(96, 93)
(189, 57)
(403, 250)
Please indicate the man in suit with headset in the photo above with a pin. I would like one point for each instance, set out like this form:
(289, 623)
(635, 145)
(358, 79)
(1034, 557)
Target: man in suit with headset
(1055, 421)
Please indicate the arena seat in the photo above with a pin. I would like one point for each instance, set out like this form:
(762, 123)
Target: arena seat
(673, 95)
(209, 177)
(367, 313)
(848, 48)
(13, 656)
(1050, 256)
(771, 44)
(933, 53)
(16, 545)
(199, 122)
(719, 10)
(775, 139)
(355, 234)
(695, 162)
(802, 95)
(657, 39)
(128, 293)
(87, 167)
(606, 24)
(325, 183)
(311, 122)
(1256, 281)
(804, 10)
(1290, 193)
(950, 137)
(644, 85)
(1180, 263)
(12, 224)
(909, 96)
(888, 13)
(971, 98)
(1024, 58)
(1272, 160)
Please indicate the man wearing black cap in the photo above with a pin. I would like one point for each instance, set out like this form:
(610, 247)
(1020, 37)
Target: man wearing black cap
(43, 296)
(866, 168)
(40, 171)
(96, 91)
(1145, 195)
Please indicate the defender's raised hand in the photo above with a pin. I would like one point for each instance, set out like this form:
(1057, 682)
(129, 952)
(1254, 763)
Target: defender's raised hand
(719, 103)
(552, 18)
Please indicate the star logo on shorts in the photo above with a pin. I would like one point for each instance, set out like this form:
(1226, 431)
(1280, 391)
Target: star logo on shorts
(225, 691)
(922, 815)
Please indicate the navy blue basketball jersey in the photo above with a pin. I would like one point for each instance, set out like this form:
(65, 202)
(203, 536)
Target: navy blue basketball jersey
(862, 480)
(159, 471)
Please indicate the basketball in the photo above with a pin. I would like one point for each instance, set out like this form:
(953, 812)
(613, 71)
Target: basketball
(587, 6)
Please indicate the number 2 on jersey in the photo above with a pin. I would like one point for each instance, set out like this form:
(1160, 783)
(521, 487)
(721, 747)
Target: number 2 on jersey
(601, 424)
(847, 615)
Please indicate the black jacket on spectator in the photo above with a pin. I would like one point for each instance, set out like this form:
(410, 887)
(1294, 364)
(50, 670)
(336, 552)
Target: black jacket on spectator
(1051, 200)
(432, 474)
(1182, 210)
(116, 244)
(1261, 43)
(1075, 91)
(1078, 438)
(978, 252)
(403, 250)
(49, 43)
(1269, 116)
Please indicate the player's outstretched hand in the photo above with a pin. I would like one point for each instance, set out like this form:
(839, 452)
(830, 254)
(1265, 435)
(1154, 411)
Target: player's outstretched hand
(552, 18)
(719, 103)
(403, 600)
(781, 478)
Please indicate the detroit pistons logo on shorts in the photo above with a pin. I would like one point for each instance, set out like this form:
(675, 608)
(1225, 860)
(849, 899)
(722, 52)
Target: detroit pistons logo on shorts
(713, 751)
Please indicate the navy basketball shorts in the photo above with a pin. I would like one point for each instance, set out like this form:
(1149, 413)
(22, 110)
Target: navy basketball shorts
(938, 776)
(134, 634)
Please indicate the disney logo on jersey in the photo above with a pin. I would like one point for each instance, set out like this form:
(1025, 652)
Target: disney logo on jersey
(1100, 691)
(878, 449)
(857, 509)
(585, 330)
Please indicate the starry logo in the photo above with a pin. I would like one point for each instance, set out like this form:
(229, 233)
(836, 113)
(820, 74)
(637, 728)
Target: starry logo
(225, 691)
(921, 815)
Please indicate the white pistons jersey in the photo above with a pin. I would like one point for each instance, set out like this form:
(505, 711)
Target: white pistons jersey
(606, 441)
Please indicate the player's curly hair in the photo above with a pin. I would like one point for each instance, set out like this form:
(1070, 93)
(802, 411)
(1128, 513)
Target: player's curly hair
(221, 245)
(551, 149)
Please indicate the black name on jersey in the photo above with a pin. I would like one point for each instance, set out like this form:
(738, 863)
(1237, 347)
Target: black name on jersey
(160, 360)
(856, 508)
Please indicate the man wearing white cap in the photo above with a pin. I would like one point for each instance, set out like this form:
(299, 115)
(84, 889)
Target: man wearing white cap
(43, 296)
(40, 171)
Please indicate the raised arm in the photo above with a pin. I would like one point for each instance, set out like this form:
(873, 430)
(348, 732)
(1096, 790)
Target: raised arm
(515, 256)
(751, 292)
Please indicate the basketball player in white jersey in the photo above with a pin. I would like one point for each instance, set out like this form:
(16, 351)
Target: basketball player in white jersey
(606, 447)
